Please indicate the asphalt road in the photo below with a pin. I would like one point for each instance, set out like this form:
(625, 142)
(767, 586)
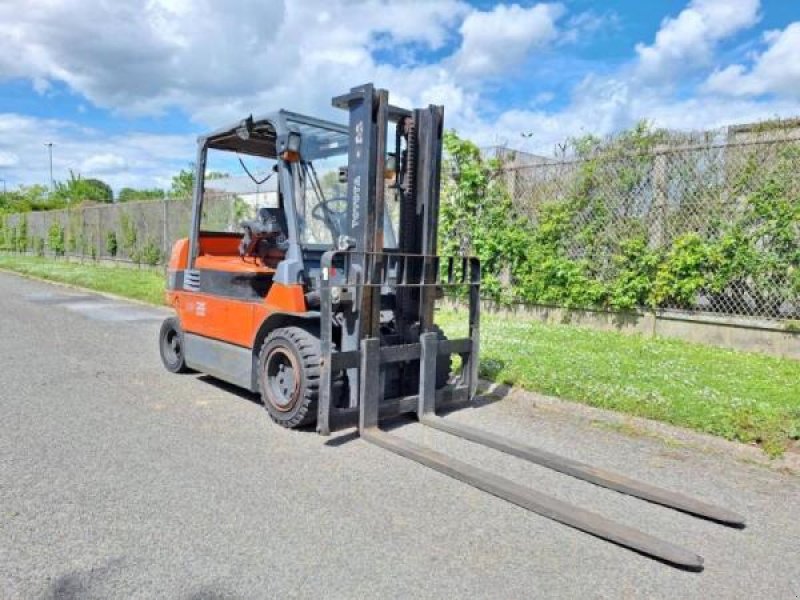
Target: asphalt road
(118, 479)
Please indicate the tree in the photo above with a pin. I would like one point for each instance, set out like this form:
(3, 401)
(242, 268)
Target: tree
(28, 198)
(183, 181)
(98, 190)
(76, 190)
(128, 194)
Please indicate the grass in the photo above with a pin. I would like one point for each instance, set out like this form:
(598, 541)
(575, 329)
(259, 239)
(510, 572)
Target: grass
(144, 284)
(740, 396)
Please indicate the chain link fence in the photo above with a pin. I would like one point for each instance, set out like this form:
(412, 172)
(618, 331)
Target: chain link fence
(136, 232)
(704, 222)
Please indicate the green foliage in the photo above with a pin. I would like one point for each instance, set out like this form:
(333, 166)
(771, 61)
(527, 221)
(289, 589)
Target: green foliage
(98, 191)
(128, 194)
(129, 235)
(740, 396)
(683, 273)
(111, 243)
(76, 190)
(149, 254)
(55, 238)
(476, 215)
(183, 182)
(28, 198)
(75, 238)
(6, 232)
(143, 284)
(636, 266)
(22, 234)
(587, 246)
(240, 209)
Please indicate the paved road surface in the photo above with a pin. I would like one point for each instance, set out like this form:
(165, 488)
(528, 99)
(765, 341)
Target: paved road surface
(118, 479)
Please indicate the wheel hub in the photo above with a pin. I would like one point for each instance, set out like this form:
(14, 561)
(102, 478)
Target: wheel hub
(172, 348)
(282, 379)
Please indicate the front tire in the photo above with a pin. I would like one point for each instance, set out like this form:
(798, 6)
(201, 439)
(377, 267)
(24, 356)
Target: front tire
(170, 345)
(288, 376)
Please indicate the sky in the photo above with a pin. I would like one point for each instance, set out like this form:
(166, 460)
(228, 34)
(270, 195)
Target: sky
(123, 88)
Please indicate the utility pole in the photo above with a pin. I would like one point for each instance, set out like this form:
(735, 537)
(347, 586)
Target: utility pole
(50, 149)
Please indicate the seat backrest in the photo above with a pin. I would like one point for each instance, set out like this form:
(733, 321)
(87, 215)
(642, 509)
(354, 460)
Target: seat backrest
(268, 213)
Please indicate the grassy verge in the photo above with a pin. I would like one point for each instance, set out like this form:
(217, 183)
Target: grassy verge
(740, 396)
(140, 284)
(736, 395)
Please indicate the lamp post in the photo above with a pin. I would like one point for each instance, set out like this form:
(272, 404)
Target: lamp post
(50, 150)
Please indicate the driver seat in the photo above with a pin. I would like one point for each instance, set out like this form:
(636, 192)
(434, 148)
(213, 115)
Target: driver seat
(272, 248)
(277, 216)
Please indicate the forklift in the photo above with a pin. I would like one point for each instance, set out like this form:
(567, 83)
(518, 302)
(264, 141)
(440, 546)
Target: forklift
(324, 303)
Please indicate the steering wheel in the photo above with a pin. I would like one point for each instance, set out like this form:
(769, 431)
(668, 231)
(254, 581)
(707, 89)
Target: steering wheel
(329, 206)
(332, 211)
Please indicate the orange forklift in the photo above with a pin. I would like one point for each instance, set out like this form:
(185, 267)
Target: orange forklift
(323, 302)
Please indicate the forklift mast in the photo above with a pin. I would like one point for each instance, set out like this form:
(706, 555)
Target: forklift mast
(392, 291)
(417, 155)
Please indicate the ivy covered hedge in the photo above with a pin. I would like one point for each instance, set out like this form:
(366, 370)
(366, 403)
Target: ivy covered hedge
(627, 224)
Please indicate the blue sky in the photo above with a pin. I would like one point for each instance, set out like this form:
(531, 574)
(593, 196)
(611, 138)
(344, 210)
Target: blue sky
(122, 89)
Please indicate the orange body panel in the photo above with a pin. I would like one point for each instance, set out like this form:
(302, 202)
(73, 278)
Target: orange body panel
(216, 317)
(235, 264)
(179, 257)
(227, 319)
(219, 245)
(286, 298)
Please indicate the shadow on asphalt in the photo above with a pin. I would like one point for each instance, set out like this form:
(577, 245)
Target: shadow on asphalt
(231, 388)
(488, 395)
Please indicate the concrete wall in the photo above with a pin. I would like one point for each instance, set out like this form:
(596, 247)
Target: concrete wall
(739, 333)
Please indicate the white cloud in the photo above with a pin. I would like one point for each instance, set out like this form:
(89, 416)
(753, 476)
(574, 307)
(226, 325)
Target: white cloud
(214, 60)
(130, 159)
(103, 164)
(217, 62)
(686, 43)
(776, 70)
(604, 105)
(583, 26)
(496, 40)
(8, 159)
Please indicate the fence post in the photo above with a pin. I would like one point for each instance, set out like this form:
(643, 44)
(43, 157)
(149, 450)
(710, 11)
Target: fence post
(661, 193)
(99, 243)
(165, 234)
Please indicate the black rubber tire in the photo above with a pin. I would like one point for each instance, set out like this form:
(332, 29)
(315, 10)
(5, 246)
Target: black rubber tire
(170, 346)
(302, 350)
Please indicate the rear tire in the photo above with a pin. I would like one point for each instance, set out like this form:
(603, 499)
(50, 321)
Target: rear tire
(288, 376)
(170, 345)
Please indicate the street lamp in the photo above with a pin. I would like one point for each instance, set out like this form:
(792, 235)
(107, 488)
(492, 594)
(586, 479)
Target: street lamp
(50, 150)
